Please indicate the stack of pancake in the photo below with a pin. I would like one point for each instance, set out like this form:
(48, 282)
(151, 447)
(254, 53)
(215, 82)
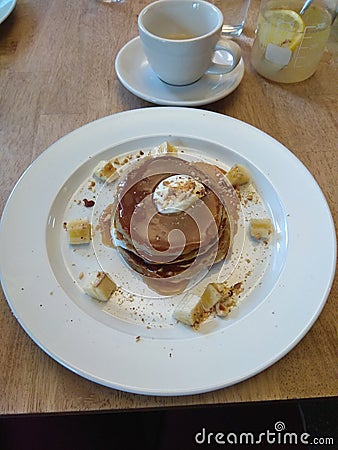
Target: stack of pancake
(178, 246)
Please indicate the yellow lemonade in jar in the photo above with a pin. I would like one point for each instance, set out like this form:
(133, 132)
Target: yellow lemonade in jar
(288, 46)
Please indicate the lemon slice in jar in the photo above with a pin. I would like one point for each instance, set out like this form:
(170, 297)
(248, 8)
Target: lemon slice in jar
(281, 27)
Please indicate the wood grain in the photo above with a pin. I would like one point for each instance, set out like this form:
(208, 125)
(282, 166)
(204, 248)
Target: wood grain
(56, 74)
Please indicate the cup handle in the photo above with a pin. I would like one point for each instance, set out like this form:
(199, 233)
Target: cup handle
(230, 47)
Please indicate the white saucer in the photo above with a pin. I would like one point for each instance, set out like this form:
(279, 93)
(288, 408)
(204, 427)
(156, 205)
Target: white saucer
(136, 75)
(6, 7)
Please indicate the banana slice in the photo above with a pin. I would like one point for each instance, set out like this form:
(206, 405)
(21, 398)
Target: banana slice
(214, 293)
(190, 310)
(217, 298)
(79, 231)
(219, 293)
(163, 149)
(261, 228)
(105, 171)
(100, 286)
(238, 175)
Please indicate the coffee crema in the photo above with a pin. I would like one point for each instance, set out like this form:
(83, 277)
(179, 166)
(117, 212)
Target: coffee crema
(179, 36)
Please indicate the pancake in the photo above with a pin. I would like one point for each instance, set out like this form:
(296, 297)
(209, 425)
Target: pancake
(166, 245)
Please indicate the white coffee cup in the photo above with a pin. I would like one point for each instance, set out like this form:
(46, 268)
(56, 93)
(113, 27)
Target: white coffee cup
(180, 37)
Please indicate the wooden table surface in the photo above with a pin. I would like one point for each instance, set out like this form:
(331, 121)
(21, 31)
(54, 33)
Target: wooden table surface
(56, 74)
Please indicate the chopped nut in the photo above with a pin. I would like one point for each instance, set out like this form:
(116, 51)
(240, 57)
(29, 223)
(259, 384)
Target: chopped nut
(223, 308)
(91, 186)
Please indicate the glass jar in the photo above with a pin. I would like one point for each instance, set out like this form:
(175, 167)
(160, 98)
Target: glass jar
(289, 41)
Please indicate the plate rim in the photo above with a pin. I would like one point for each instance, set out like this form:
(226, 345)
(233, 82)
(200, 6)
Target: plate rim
(8, 12)
(188, 114)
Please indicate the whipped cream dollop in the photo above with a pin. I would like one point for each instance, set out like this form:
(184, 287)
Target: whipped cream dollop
(177, 193)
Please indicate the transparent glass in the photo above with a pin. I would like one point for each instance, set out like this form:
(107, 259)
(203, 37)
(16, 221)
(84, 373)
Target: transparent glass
(289, 41)
(234, 15)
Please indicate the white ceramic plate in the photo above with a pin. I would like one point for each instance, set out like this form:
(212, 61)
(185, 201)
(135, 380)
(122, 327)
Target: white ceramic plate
(166, 358)
(6, 7)
(136, 75)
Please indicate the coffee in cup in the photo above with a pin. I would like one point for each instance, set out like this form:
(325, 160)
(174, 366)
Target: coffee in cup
(180, 37)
